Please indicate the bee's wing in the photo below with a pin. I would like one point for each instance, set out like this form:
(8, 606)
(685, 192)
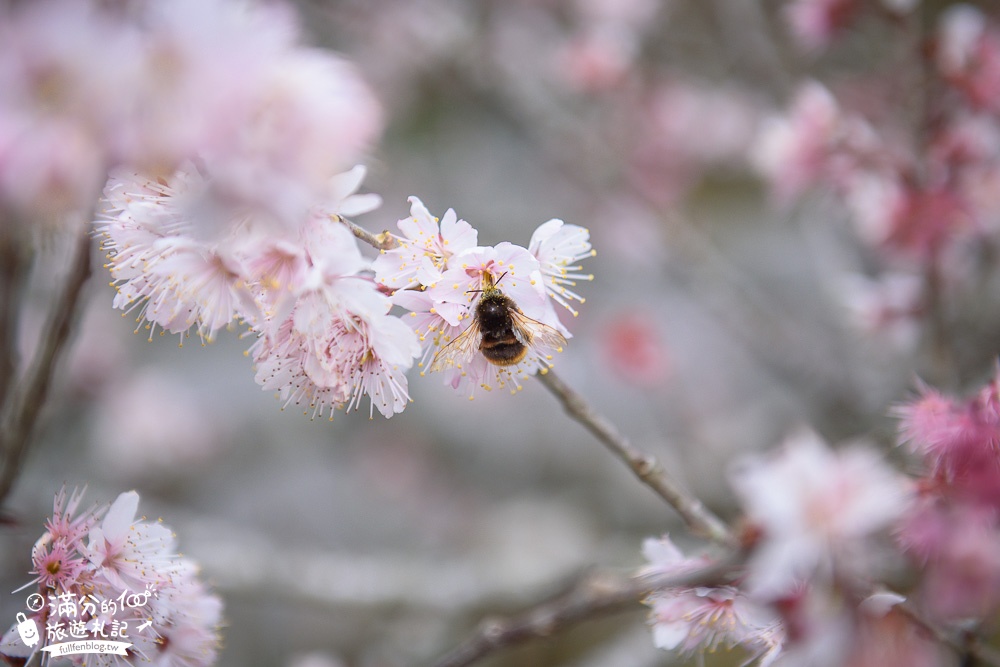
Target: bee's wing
(533, 333)
(459, 349)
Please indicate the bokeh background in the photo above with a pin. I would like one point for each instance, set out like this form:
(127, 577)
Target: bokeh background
(717, 322)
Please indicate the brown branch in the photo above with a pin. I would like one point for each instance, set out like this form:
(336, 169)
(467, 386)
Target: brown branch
(596, 594)
(23, 407)
(13, 266)
(383, 241)
(698, 518)
(967, 645)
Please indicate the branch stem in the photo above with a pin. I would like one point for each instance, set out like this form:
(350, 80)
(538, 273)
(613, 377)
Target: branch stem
(699, 519)
(383, 241)
(24, 404)
(596, 594)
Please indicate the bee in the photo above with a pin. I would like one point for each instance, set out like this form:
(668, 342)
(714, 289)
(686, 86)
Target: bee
(499, 330)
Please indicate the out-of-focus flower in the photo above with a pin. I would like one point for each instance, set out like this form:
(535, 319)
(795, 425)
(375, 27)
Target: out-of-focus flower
(816, 22)
(172, 253)
(632, 346)
(817, 511)
(890, 639)
(793, 151)
(85, 88)
(107, 575)
(150, 425)
(958, 441)
(968, 55)
(888, 306)
(692, 619)
(958, 550)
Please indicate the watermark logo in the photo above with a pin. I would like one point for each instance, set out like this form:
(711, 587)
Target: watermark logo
(84, 624)
(27, 629)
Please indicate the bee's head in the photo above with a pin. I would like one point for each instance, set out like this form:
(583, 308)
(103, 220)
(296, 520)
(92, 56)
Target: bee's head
(489, 284)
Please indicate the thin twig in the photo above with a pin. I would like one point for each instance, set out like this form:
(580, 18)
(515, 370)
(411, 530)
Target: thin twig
(23, 407)
(596, 594)
(968, 645)
(698, 518)
(383, 241)
(12, 270)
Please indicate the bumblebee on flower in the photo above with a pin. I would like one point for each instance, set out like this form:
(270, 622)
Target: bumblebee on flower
(484, 314)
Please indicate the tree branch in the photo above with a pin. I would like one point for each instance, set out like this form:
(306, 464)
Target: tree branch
(24, 405)
(12, 269)
(596, 594)
(383, 241)
(698, 518)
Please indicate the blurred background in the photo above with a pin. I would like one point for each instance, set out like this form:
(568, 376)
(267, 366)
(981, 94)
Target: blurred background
(717, 322)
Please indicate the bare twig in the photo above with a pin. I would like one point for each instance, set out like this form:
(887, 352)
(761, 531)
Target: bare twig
(698, 518)
(383, 241)
(596, 594)
(12, 269)
(967, 645)
(24, 405)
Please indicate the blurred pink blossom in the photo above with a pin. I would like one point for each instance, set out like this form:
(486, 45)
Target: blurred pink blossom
(701, 619)
(633, 347)
(150, 425)
(818, 511)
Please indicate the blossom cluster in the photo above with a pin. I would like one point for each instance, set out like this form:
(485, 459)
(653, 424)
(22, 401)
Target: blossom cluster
(952, 532)
(103, 574)
(437, 272)
(319, 308)
(817, 531)
(817, 527)
(87, 86)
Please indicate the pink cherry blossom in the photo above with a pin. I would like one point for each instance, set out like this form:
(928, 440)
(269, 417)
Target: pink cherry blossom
(338, 344)
(818, 511)
(816, 22)
(793, 151)
(451, 303)
(558, 247)
(968, 55)
(693, 619)
(424, 248)
(129, 553)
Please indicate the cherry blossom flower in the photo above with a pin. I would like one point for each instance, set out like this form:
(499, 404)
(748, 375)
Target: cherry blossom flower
(793, 151)
(968, 55)
(450, 304)
(128, 552)
(339, 344)
(633, 347)
(692, 619)
(557, 247)
(888, 306)
(958, 440)
(816, 22)
(441, 259)
(166, 244)
(818, 511)
(424, 248)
